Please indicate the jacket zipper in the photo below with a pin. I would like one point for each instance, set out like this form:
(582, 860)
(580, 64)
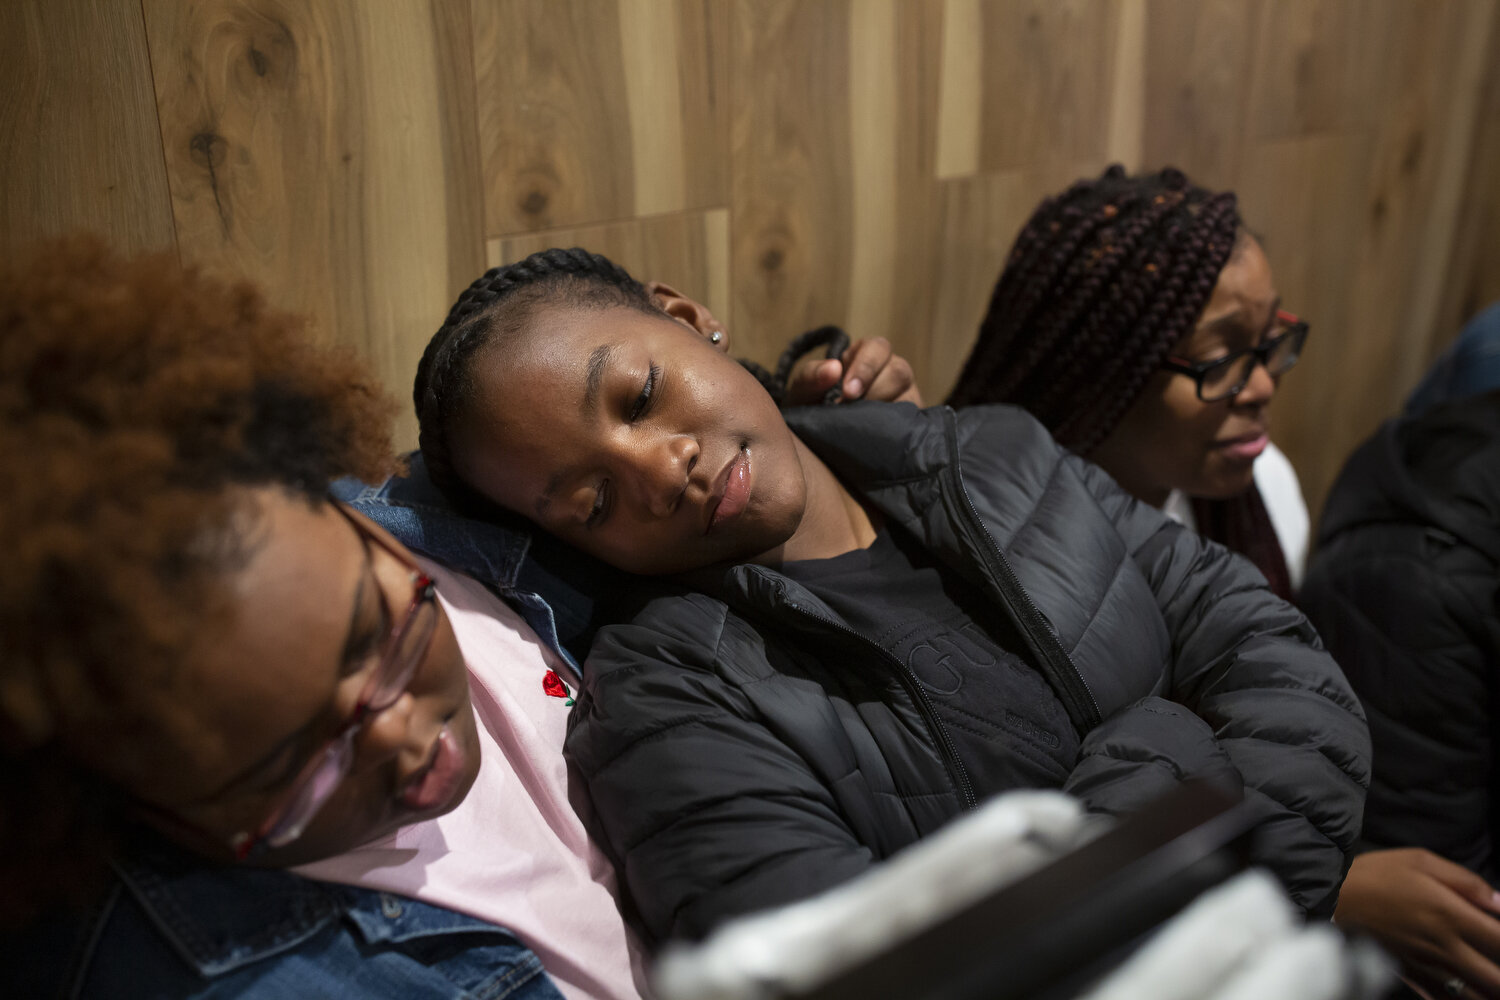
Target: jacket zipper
(1077, 699)
(956, 769)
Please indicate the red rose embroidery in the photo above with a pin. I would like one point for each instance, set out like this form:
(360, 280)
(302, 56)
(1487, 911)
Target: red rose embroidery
(554, 686)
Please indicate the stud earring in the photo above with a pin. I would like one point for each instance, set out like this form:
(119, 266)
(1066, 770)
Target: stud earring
(716, 336)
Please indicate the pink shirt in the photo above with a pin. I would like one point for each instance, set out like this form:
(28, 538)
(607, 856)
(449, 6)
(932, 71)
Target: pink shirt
(513, 852)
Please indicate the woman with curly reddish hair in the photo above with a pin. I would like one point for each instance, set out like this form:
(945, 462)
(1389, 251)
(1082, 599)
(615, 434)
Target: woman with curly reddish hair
(210, 672)
(1137, 319)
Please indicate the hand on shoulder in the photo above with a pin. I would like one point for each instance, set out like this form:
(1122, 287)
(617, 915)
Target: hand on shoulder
(868, 369)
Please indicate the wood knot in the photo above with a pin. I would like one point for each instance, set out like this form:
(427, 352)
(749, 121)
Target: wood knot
(535, 203)
(207, 149)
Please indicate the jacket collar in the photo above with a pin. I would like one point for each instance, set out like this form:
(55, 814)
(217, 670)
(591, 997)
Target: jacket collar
(218, 918)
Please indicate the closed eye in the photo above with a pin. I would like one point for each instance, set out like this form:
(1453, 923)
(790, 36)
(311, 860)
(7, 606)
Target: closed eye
(642, 404)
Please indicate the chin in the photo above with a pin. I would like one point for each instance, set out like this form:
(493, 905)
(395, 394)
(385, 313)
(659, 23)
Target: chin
(1225, 487)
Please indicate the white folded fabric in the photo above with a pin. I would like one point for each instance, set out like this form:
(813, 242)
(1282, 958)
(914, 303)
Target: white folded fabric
(797, 946)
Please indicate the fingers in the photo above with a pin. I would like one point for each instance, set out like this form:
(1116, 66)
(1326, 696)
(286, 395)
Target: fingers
(895, 382)
(862, 362)
(1460, 879)
(810, 379)
(1478, 975)
(872, 370)
(868, 369)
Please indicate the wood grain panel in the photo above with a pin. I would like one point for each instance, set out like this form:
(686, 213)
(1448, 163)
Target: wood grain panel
(306, 149)
(591, 111)
(980, 219)
(960, 112)
(1317, 64)
(835, 202)
(1428, 116)
(1473, 279)
(1048, 65)
(81, 148)
(1305, 198)
(687, 250)
(863, 162)
(791, 185)
(1197, 56)
(1127, 93)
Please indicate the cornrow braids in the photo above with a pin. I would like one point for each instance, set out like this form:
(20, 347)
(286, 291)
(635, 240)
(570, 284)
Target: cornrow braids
(500, 301)
(1101, 282)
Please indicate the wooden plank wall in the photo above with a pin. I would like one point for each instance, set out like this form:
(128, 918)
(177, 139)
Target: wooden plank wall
(790, 162)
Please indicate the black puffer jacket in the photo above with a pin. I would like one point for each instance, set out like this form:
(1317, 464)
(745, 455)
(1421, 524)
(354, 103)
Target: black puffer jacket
(746, 749)
(1405, 587)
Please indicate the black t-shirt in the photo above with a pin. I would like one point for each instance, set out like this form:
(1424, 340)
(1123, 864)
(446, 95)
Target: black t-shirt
(996, 708)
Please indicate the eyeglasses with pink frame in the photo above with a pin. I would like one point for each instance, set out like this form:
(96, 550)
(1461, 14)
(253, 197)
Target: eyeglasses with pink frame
(400, 655)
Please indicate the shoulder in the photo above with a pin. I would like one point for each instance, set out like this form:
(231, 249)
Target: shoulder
(666, 624)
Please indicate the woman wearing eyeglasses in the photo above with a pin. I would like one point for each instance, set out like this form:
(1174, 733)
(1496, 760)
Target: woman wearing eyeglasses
(1137, 319)
(211, 673)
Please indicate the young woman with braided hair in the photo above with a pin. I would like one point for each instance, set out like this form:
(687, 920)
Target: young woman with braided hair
(870, 616)
(1136, 318)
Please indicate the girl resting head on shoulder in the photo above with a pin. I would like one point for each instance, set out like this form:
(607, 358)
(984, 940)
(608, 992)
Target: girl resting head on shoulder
(891, 613)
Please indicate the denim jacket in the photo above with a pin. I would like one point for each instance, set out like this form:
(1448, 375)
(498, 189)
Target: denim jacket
(172, 926)
(549, 583)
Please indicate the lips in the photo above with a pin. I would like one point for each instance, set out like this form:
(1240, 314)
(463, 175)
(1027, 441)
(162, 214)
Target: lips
(731, 491)
(1245, 447)
(437, 783)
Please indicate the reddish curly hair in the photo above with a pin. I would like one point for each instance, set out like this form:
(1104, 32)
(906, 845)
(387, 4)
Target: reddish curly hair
(135, 396)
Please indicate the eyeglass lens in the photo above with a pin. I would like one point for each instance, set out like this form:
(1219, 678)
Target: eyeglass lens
(1229, 378)
(394, 673)
(401, 661)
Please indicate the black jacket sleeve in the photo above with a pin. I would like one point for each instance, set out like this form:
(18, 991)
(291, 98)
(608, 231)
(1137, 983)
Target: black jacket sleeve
(1414, 617)
(1252, 667)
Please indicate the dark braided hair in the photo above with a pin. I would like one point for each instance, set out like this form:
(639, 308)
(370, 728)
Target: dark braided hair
(1100, 284)
(499, 302)
(1102, 281)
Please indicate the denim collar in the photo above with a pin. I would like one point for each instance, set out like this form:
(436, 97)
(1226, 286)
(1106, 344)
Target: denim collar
(218, 918)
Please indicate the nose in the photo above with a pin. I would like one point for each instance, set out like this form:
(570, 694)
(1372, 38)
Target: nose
(386, 734)
(1259, 389)
(662, 469)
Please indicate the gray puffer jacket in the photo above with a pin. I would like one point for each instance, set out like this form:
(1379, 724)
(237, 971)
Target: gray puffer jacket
(746, 748)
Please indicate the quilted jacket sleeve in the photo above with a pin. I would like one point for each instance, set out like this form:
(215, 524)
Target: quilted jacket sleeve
(705, 812)
(1414, 617)
(1251, 666)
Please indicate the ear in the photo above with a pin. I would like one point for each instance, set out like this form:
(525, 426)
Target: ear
(689, 312)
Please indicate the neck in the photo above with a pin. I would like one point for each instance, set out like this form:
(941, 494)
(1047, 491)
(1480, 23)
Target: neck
(833, 522)
(1126, 474)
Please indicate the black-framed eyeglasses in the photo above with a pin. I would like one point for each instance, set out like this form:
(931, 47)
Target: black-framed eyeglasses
(1226, 377)
(397, 661)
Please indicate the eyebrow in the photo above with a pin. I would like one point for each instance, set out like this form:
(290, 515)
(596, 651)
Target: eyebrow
(598, 364)
(1231, 320)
